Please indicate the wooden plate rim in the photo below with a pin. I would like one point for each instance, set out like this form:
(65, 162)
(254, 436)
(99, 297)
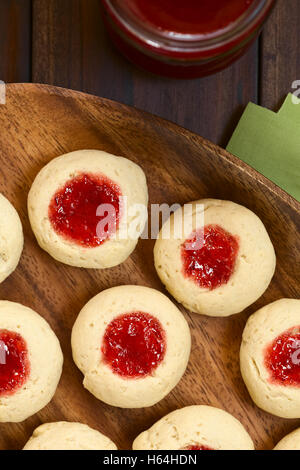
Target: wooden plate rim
(222, 153)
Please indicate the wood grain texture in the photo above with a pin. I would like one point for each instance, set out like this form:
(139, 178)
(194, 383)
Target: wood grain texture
(280, 60)
(71, 49)
(15, 40)
(39, 123)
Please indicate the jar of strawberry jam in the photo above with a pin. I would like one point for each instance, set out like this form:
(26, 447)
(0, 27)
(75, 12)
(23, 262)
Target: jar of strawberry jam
(184, 38)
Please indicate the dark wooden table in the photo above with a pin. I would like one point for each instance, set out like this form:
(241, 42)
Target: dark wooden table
(63, 42)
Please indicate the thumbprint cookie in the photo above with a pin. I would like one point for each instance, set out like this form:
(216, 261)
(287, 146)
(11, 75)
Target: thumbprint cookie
(270, 358)
(30, 362)
(132, 344)
(195, 428)
(289, 442)
(68, 436)
(215, 257)
(11, 238)
(88, 208)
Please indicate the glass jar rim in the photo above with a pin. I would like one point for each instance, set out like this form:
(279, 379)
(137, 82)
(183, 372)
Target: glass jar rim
(176, 42)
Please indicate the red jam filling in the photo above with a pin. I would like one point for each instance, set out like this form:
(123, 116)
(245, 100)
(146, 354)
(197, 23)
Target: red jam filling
(134, 345)
(213, 263)
(200, 17)
(282, 358)
(86, 210)
(14, 363)
(197, 447)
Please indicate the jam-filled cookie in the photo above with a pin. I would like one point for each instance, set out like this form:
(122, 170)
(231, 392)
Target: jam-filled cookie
(289, 442)
(195, 428)
(215, 257)
(132, 344)
(11, 238)
(68, 436)
(30, 362)
(270, 358)
(88, 208)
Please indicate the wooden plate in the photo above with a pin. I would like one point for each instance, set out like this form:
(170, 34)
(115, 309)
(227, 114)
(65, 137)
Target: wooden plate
(41, 122)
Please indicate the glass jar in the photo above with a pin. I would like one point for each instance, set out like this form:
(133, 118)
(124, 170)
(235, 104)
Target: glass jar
(184, 38)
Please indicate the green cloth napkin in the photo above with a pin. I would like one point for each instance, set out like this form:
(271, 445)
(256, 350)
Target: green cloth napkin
(270, 143)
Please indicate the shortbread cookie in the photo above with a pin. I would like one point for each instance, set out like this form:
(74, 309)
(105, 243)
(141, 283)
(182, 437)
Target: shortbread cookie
(88, 208)
(132, 344)
(11, 238)
(270, 358)
(290, 442)
(215, 257)
(195, 428)
(68, 436)
(30, 362)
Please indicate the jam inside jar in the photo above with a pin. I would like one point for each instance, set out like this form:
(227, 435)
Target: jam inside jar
(193, 17)
(184, 39)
